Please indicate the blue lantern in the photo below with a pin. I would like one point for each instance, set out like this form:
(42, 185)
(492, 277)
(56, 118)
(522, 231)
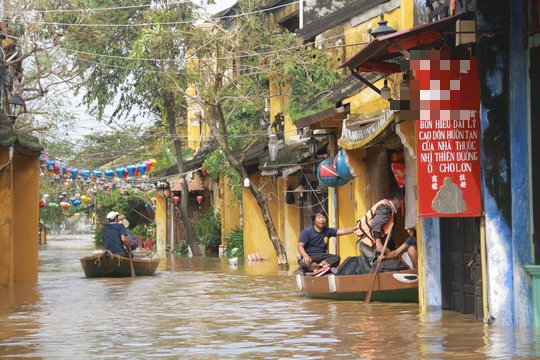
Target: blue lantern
(85, 174)
(109, 173)
(120, 172)
(74, 173)
(76, 202)
(141, 168)
(341, 164)
(327, 174)
(97, 174)
(72, 200)
(62, 168)
(50, 164)
(131, 170)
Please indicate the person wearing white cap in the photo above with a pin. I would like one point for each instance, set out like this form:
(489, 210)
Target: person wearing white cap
(115, 234)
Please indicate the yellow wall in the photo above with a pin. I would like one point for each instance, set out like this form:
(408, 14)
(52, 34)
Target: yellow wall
(25, 217)
(278, 101)
(6, 216)
(19, 219)
(291, 225)
(229, 207)
(161, 222)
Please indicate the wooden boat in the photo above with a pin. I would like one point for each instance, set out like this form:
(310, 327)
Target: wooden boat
(106, 264)
(395, 286)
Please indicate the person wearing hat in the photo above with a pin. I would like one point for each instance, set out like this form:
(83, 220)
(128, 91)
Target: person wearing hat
(116, 240)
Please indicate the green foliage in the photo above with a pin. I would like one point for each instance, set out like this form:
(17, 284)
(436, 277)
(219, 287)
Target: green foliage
(144, 230)
(181, 249)
(234, 241)
(217, 166)
(208, 228)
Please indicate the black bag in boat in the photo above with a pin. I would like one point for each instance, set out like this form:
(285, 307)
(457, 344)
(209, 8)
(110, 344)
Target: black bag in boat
(353, 265)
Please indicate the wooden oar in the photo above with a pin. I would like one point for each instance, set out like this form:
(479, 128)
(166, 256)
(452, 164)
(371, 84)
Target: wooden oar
(130, 254)
(378, 267)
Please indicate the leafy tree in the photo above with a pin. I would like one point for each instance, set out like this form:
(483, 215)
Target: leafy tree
(130, 65)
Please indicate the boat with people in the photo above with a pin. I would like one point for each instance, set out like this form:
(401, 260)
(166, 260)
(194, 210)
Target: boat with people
(107, 264)
(392, 286)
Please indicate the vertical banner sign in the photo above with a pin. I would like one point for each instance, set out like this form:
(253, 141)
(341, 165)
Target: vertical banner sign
(447, 92)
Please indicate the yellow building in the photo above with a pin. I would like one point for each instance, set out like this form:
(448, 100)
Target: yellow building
(19, 208)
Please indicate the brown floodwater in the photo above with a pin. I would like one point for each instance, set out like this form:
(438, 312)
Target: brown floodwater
(202, 308)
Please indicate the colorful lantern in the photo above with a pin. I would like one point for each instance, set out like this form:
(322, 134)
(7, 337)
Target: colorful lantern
(53, 205)
(43, 160)
(85, 174)
(131, 170)
(148, 164)
(97, 174)
(65, 205)
(154, 163)
(341, 164)
(109, 174)
(50, 164)
(120, 172)
(72, 199)
(327, 174)
(74, 173)
(77, 203)
(176, 200)
(62, 168)
(200, 199)
(41, 204)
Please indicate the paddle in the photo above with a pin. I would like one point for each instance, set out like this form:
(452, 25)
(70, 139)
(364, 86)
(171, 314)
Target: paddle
(378, 267)
(130, 254)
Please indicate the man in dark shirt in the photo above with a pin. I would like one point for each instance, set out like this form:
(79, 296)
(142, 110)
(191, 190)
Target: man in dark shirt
(313, 243)
(115, 234)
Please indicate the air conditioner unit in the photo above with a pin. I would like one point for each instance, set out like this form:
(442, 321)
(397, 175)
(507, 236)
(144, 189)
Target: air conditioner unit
(465, 32)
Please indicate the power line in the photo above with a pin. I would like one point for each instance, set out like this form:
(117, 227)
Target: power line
(167, 23)
(90, 10)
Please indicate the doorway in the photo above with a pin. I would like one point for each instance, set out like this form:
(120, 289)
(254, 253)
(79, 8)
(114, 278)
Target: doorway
(461, 266)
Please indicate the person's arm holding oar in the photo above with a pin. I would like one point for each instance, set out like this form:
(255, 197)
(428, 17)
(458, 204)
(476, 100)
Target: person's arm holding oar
(378, 266)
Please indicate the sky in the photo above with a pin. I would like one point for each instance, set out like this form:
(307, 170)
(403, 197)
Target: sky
(87, 123)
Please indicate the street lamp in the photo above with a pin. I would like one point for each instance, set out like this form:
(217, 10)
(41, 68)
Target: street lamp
(16, 107)
(312, 145)
(273, 146)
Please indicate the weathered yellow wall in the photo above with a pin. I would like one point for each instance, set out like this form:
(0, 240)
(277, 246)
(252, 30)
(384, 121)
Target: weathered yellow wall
(278, 101)
(346, 218)
(25, 217)
(229, 207)
(6, 216)
(256, 237)
(161, 222)
(291, 226)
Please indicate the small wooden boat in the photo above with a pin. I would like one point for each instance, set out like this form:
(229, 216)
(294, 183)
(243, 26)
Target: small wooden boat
(107, 264)
(395, 286)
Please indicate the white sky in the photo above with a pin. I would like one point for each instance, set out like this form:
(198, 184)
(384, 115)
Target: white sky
(87, 124)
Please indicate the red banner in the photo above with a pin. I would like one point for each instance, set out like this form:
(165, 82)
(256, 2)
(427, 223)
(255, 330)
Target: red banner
(448, 137)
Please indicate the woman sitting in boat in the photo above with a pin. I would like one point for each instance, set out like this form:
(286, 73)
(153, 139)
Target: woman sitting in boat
(407, 251)
(115, 234)
(313, 244)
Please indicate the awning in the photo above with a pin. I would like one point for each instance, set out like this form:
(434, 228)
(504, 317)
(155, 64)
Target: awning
(328, 114)
(361, 133)
(374, 57)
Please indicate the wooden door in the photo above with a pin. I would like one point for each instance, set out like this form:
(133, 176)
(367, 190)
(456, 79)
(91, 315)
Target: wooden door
(461, 266)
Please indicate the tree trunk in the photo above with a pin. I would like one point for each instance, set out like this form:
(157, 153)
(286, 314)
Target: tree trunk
(184, 196)
(279, 248)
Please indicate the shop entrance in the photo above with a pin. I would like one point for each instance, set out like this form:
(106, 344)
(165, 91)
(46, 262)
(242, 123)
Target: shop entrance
(461, 267)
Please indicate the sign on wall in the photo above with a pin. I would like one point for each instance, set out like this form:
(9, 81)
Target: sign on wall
(445, 97)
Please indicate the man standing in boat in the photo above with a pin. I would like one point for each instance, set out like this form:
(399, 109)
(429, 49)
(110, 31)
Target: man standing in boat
(378, 222)
(116, 240)
(313, 243)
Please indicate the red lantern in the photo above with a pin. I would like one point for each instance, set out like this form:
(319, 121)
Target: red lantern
(42, 204)
(199, 199)
(176, 200)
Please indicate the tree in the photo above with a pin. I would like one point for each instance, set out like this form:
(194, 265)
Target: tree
(235, 63)
(127, 63)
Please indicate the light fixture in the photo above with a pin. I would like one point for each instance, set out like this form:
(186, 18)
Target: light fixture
(273, 146)
(404, 88)
(16, 107)
(383, 29)
(313, 145)
(385, 91)
(246, 182)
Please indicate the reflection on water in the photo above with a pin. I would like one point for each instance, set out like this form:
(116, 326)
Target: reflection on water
(202, 308)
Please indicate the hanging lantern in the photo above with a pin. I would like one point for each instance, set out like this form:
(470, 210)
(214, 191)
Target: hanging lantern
(74, 173)
(97, 174)
(148, 164)
(341, 163)
(42, 160)
(41, 204)
(142, 168)
(65, 205)
(50, 164)
(62, 168)
(200, 199)
(85, 174)
(327, 174)
(120, 172)
(109, 174)
(72, 199)
(154, 164)
(53, 205)
(77, 203)
(176, 200)
(131, 170)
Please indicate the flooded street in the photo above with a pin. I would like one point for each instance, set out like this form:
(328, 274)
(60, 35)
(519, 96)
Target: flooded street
(201, 308)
